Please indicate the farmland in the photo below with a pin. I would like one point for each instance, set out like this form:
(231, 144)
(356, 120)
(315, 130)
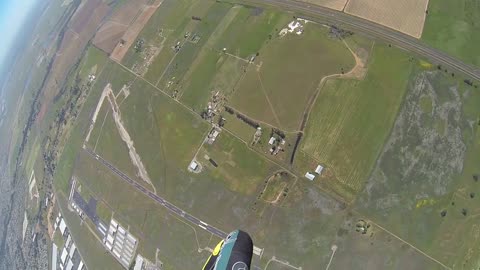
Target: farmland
(237, 165)
(333, 4)
(270, 86)
(154, 227)
(352, 119)
(404, 16)
(210, 118)
(452, 27)
(426, 173)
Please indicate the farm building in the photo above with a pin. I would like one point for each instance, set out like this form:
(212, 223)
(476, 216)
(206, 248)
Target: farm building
(272, 140)
(310, 176)
(193, 166)
(319, 169)
(63, 226)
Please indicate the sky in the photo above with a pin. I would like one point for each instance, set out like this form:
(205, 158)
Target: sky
(12, 15)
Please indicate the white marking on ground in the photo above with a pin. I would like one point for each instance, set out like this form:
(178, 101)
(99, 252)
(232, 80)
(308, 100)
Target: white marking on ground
(334, 249)
(97, 110)
(25, 225)
(134, 156)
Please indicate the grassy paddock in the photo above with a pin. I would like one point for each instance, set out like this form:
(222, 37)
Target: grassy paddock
(241, 169)
(292, 67)
(173, 79)
(166, 135)
(453, 27)
(426, 176)
(153, 226)
(214, 72)
(352, 119)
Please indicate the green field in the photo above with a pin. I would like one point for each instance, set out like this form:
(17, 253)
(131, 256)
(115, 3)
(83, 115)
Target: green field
(164, 27)
(166, 135)
(147, 221)
(240, 168)
(238, 127)
(64, 168)
(425, 171)
(111, 146)
(352, 119)
(453, 27)
(276, 187)
(173, 76)
(92, 63)
(249, 30)
(290, 72)
(399, 145)
(103, 211)
(213, 72)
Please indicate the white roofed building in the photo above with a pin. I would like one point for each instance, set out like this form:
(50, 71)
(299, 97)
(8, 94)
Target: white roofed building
(193, 166)
(63, 226)
(310, 176)
(64, 256)
(272, 140)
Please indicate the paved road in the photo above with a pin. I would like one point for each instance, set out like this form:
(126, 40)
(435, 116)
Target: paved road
(326, 15)
(169, 206)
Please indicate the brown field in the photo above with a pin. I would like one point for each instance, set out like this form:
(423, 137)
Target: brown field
(406, 16)
(81, 29)
(133, 31)
(109, 35)
(128, 11)
(85, 14)
(333, 4)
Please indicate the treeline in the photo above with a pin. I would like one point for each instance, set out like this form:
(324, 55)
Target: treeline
(242, 117)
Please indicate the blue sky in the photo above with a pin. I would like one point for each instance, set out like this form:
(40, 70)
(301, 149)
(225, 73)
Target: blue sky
(12, 15)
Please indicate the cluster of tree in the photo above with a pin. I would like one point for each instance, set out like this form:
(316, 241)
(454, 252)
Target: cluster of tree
(242, 117)
(139, 45)
(339, 33)
(247, 120)
(466, 81)
(297, 143)
(277, 132)
(229, 110)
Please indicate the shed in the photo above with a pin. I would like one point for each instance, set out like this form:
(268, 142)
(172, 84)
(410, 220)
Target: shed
(109, 239)
(310, 176)
(138, 263)
(272, 140)
(63, 226)
(54, 256)
(72, 250)
(193, 165)
(319, 169)
(69, 265)
(64, 255)
(67, 243)
(109, 245)
(114, 223)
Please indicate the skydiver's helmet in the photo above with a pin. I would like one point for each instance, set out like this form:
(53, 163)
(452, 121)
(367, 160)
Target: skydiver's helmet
(233, 253)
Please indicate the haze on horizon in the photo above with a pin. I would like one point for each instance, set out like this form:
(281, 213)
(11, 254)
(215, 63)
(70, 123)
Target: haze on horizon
(13, 14)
